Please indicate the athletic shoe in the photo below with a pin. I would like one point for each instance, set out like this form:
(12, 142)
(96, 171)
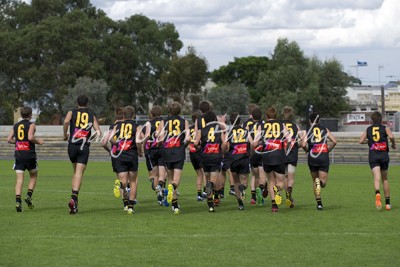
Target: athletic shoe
(211, 209)
(388, 207)
(73, 206)
(232, 192)
(216, 202)
(116, 190)
(278, 196)
(274, 208)
(130, 211)
(135, 202)
(199, 198)
(204, 195)
(290, 203)
(241, 207)
(265, 192)
(177, 211)
(125, 208)
(221, 195)
(159, 194)
(170, 193)
(317, 186)
(258, 196)
(253, 202)
(378, 203)
(28, 201)
(18, 207)
(320, 207)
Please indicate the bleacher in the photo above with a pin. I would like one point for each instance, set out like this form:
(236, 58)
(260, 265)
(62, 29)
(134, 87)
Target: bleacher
(347, 150)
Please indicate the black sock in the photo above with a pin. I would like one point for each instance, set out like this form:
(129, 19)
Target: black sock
(387, 200)
(261, 187)
(204, 189)
(199, 193)
(222, 192)
(232, 187)
(161, 183)
(175, 203)
(174, 186)
(74, 195)
(210, 202)
(240, 202)
(274, 203)
(30, 192)
(18, 199)
(216, 194)
(253, 194)
(319, 201)
(377, 192)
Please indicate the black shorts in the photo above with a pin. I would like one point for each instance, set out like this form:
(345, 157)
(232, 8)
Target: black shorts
(78, 153)
(293, 163)
(148, 163)
(195, 158)
(280, 168)
(123, 165)
(256, 160)
(319, 168)
(226, 163)
(384, 165)
(241, 166)
(156, 157)
(175, 165)
(25, 164)
(211, 167)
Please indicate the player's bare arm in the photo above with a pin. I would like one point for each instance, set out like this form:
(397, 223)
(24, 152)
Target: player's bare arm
(67, 119)
(31, 135)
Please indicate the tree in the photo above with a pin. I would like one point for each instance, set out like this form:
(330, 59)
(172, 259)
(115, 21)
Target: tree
(229, 98)
(243, 70)
(185, 76)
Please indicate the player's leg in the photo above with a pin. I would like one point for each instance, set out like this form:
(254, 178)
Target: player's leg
(199, 183)
(385, 184)
(19, 181)
(33, 174)
(132, 179)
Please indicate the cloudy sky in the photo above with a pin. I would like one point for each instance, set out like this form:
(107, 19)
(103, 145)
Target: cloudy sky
(348, 30)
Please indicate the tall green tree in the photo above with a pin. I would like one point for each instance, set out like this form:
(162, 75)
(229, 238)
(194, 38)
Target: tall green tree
(229, 98)
(185, 77)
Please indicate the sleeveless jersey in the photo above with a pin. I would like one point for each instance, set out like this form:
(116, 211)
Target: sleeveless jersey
(378, 143)
(211, 142)
(152, 141)
(318, 154)
(24, 149)
(80, 126)
(238, 143)
(273, 142)
(126, 139)
(174, 147)
(292, 148)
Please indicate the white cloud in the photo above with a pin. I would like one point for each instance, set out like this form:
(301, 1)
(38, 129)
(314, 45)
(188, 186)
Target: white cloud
(221, 30)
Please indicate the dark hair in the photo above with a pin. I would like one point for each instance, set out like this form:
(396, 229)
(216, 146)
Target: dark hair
(251, 107)
(256, 114)
(25, 112)
(82, 100)
(129, 112)
(119, 113)
(376, 117)
(314, 117)
(287, 113)
(204, 106)
(195, 115)
(210, 116)
(174, 108)
(155, 111)
(271, 113)
(234, 118)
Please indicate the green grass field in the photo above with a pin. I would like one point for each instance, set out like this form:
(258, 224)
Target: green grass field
(348, 232)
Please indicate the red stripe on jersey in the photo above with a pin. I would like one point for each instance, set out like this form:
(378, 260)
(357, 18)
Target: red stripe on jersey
(320, 148)
(240, 149)
(22, 146)
(379, 146)
(79, 133)
(211, 149)
(125, 145)
(172, 142)
(273, 145)
(192, 149)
